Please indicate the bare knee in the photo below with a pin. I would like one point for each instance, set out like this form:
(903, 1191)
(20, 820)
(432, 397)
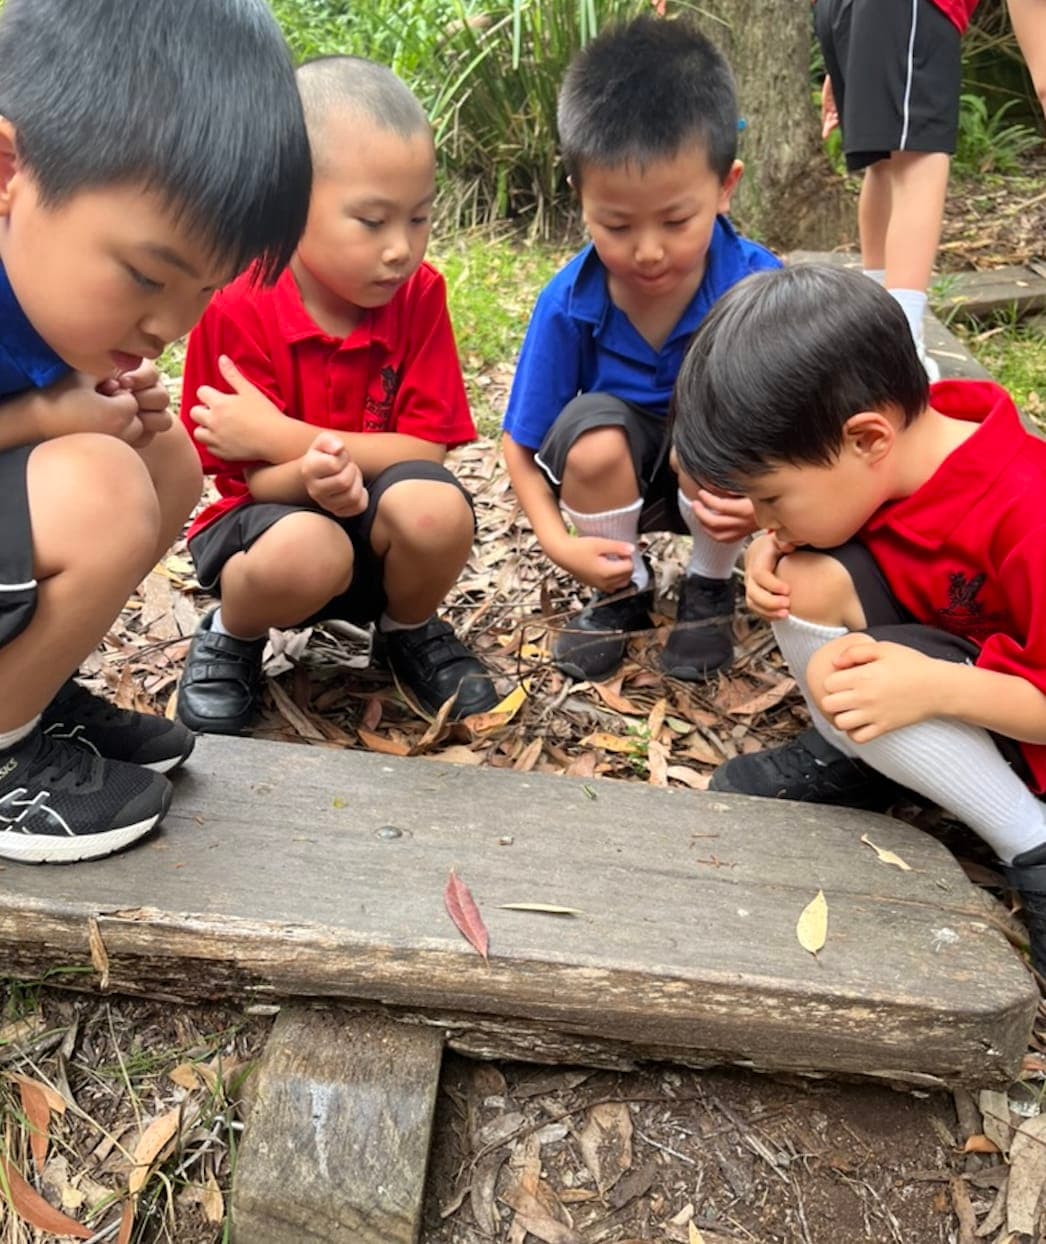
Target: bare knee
(423, 516)
(174, 465)
(820, 590)
(304, 560)
(595, 455)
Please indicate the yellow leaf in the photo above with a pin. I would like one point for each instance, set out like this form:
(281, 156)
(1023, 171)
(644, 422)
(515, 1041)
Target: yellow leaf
(695, 1236)
(512, 703)
(156, 1137)
(886, 857)
(533, 652)
(812, 926)
(612, 743)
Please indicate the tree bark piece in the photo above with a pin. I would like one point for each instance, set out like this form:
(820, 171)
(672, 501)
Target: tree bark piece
(337, 1140)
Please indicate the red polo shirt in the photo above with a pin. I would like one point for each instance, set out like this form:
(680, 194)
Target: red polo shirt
(967, 551)
(957, 11)
(398, 371)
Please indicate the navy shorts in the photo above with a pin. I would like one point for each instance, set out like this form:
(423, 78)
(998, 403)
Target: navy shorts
(364, 601)
(896, 74)
(17, 582)
(648, 443)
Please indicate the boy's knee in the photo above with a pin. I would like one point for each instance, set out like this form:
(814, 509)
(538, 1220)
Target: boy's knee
(820, 588)
(174, 465)
(303, 557)
(424, 514)
(822, 663)
(595, 454)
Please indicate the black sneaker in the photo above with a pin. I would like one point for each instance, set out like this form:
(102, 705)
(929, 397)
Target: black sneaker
(809, 770)
(702, 639)
(116, 733)
(60, 803)
(592, 644)
(431, 666)
(218, 693)
(1027, 875)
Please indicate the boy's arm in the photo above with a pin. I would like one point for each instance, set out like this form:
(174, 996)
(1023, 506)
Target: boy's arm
(73, 404)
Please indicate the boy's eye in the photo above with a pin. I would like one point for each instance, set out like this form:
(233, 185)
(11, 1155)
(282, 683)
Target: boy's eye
(141, 279)
(678, 224)
(615, 228)
(370, 224)
(419, 220)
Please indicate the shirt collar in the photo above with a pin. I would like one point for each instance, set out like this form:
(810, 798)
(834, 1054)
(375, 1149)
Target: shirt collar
(377, 324)
(26, 360)
(932, 513)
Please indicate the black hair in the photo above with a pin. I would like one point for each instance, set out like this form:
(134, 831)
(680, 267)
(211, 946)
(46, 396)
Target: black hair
(638, 92)
(784, 359)
(362, 87)
(192, 99)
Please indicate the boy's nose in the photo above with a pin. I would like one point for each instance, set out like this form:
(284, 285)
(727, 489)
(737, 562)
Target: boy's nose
(648, 248)
(397, 251)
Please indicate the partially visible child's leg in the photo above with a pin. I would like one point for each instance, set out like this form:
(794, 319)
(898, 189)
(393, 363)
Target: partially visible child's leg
(1029, 25)
(174, 467)
(421, 532)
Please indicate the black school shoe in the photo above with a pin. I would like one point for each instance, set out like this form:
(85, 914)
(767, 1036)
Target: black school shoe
(218, 692)
(592, 645)
(431, 666)
(60, 803)
(702, 640)
(116, 733)
(1027, 875)
(809, 770)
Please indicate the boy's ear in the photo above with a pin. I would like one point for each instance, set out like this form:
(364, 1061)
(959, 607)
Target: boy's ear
(8, 162)
(728, 185)
(870, 435)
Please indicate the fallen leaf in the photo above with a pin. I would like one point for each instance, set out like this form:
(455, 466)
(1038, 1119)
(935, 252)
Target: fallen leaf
(657, 763)
(529, 756)
(886, 857)
(371, 718)
(995, 1113)
(610, 694)
(462, 909)
(126, 1223)
(613, 742)
(512, 703)
(605, 1141)
(99, 955)
(56, 1103)
(694, 1236)
(377, 743)
(980, 1144)
(765, 700)
(213, 1201)
(156, 1137)
(31, 1207)
(299, 721)
(1027, 1176)
(459, 754)
(184, 1075)
(38, 1113)
(812, 926)
(657, 718)
(548, 909)
(689, 777)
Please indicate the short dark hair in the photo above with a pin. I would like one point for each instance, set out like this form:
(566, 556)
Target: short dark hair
(784, 359)
(640, 91)
(193, 99)
(364, 87)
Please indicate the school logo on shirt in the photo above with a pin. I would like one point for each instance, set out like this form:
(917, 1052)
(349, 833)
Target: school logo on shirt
(377, 411)
(967, 613)
(962, 596)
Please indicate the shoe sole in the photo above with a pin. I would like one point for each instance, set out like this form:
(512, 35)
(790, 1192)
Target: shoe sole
(49, 849)
(171, 762)
(693, 673)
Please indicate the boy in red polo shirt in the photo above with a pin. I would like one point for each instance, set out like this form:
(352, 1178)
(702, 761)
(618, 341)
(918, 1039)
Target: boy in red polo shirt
(915, 620)
(346, 393)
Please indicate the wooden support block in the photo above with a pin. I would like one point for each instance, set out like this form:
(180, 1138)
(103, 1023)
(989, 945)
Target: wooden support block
(337, 1140)
(286, 871)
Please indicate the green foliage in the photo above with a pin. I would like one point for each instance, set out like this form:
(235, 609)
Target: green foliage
(991, 142)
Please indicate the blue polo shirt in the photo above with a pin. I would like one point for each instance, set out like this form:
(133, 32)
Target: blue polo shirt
(26, 360)
(578, 341)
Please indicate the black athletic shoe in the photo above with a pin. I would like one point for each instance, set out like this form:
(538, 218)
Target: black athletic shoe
(218, 693)
(60, 803)
(809, 770)
(592, 644)
(702, 639)
(116, 733)
(431, 666)
(1027, 875)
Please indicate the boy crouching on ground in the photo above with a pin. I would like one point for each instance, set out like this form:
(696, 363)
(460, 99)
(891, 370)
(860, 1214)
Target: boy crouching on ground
(148, 153)
(902, 566)
(648, 127)
(346, 395)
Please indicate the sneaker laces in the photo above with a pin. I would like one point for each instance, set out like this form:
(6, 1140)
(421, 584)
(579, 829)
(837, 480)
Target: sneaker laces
(86, 706)
(60, 759)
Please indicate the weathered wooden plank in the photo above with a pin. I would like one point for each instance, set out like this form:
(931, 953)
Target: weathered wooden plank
(1015, 289)
(337, 1141)
(280, 874)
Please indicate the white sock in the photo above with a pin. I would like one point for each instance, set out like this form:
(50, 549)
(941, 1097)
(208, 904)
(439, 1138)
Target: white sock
(913, 304)
(386, 624)
(219, 628)
(620, 525)
(709, 558)
(8, 738)
(878, 275)
(960, 769)
(798, 641)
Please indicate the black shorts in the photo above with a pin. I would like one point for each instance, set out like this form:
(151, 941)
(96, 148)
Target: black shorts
(889, 622)
(896, 73)
(648, 443)
(17, 582)
(364, 601)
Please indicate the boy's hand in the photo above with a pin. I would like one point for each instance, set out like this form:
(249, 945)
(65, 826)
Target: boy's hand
(78, 403)
(829, 112)
(878, 687)
(766, 594)
(232, 425)
(332, 479)
(146, 386)
(725, 517)
(603, 564)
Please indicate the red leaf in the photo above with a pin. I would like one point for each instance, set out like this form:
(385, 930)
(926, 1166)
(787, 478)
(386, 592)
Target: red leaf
(30, 1206)
(462, 909)
(38, 1113)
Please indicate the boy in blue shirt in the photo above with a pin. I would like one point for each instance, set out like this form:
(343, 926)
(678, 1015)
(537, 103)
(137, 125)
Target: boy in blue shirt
(148, 153)
(648, 126)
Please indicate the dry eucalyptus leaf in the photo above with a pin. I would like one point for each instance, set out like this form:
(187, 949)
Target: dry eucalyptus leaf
(812, 927)
(886, 857)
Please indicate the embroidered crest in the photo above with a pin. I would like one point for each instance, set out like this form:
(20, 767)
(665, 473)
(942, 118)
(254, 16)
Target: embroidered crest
(377, 411)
